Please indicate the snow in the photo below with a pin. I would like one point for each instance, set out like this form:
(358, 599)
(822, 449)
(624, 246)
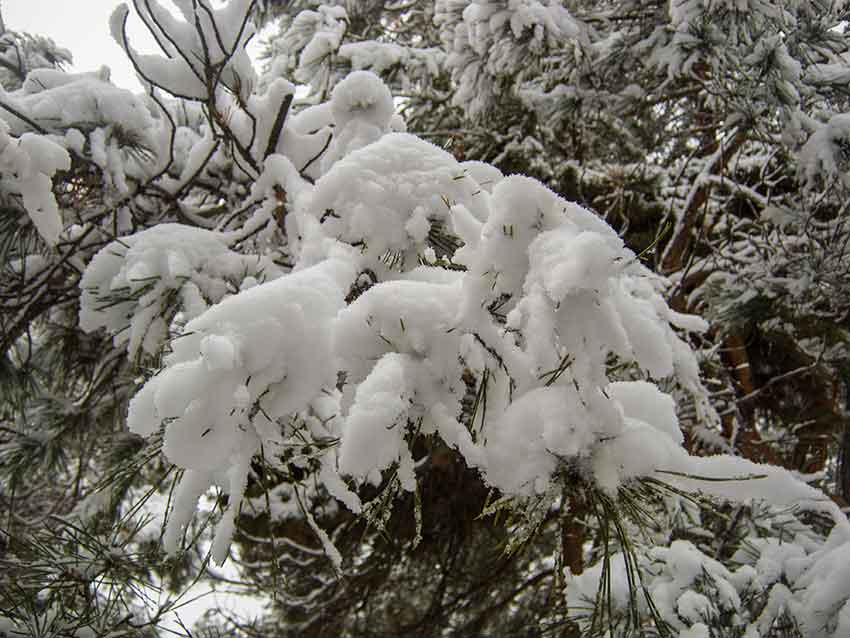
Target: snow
(488, 41)
(693, 607)
(190, 489)
(775, 559)
(825, 587)
(280, 357)
(738, 479)
(78, 101)
(699, 630)
(126, 284)
(367, 340)
(688, 589)
(564, 262)
(376, 425)
(575, 296)
(218, 37)
(375, 192)
(380, 57)
(409, 317)
(339, 291)
(316, 35)
(581, 589)
(821, 158)
(643, 401)
(361, 106)
(94, 121)
(28, 164)
(524, 446)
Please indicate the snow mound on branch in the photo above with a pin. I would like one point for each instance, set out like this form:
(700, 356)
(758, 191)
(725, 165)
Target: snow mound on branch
(387, 195)
(239, 372)
(537, 429)
(129, 285)
(376, 425)
(396, 341)
(271, 340)
(573, 296)
(28, 163)
(99, 122)
(362, 95)
(82, 101)
(362, 108)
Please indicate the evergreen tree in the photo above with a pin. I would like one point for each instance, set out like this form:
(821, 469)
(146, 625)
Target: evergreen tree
(408, 393)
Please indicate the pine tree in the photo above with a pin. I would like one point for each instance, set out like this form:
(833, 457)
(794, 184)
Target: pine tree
(409, 394)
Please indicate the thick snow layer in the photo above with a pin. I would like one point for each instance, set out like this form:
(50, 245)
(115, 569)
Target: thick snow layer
(362, 107)
(361, 95)
(538, 429)
(126, 286)
(375, 429)
(78, 101)
(27, 165)
(414, 320)
(643, 401)
(94, 120)
(241, 369)
(386, 195)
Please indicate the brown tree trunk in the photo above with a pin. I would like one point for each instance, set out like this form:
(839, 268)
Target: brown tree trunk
(678, 251)
(572, 534)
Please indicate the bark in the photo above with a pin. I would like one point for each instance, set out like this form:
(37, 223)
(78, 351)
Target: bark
(680, 247)
(572, 534)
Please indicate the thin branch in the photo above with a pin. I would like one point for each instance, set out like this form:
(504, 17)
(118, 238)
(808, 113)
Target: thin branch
(777, 379)
(35, 125)
(317, 155)
(277, 127)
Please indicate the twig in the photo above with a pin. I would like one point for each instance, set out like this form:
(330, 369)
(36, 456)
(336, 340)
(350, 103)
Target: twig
(277, 127)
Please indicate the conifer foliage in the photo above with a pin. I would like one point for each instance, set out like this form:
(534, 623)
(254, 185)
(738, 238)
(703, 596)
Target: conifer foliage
(403, 326)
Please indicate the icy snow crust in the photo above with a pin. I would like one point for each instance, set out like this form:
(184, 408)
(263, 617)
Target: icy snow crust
(371, 338)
